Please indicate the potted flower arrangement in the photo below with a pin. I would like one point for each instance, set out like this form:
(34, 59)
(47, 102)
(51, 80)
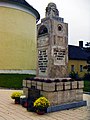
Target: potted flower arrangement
(41, 105)
(16, 97)
(23, 101)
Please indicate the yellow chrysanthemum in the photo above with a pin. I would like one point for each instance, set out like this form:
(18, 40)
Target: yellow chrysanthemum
(16, 94)
(41, 102)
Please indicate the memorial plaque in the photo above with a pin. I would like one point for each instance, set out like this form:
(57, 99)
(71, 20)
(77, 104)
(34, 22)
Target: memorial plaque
(58, 55)
(42, 62)
(33, 93)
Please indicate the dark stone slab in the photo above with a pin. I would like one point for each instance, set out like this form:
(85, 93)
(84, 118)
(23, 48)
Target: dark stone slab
(66, 106)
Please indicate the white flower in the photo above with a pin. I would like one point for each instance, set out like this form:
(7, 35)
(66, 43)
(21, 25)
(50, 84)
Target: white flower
(22, 96)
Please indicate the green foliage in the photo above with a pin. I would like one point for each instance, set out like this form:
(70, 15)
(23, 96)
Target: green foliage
(87, 76)
(73, 75)
(13, 81)
(86, 79)
(86, 86)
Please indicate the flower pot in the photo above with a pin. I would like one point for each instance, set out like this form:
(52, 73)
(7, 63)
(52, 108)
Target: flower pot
(40, 112)
(25, 104)
(17, 100)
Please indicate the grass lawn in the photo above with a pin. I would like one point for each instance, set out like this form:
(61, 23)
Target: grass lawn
(13, 80)
(86, 86)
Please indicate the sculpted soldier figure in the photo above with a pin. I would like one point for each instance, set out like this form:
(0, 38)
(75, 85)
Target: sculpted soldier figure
(51, 10)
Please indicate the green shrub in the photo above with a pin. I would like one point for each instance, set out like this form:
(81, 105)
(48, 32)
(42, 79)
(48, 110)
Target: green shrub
(87, 76)
(73, 75)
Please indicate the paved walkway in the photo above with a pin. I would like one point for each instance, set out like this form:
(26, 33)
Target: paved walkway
(11, 111)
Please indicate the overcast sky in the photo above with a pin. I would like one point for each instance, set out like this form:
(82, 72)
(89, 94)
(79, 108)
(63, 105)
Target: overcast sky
(75, 12)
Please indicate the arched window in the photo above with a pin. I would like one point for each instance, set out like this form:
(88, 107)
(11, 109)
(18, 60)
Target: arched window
(43, 30)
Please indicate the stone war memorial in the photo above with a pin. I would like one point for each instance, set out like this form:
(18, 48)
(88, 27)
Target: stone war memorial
(52, 79)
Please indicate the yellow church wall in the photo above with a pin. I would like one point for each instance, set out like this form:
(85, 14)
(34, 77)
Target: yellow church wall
(77, 64)
(17, 40)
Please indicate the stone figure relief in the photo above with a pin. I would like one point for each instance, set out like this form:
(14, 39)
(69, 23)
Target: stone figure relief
(51, 10)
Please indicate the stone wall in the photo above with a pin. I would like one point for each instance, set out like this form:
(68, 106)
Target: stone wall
(56, 91)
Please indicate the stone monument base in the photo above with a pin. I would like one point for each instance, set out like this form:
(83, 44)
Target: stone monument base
(63, 93)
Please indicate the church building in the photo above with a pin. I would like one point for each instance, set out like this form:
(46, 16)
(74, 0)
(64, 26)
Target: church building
(17, 36)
